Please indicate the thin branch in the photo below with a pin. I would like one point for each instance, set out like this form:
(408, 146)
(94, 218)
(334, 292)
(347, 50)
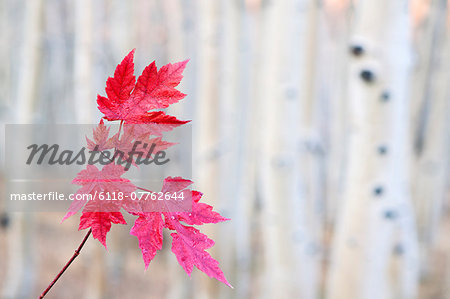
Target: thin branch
(76, 253)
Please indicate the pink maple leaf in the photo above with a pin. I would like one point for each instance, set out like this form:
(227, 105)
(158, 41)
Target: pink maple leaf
(188, 244)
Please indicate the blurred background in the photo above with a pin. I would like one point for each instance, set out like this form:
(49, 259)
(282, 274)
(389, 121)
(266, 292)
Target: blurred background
(320, 127)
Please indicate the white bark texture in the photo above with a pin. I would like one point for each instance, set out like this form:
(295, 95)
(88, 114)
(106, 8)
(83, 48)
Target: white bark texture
(430, 112)
(20, 265)
(376, 223)
(288, 172)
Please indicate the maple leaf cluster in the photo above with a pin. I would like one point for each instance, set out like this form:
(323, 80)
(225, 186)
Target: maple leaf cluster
(131, 102)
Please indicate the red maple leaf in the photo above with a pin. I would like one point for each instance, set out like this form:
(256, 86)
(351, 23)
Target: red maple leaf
(97, 185)
(154, 89)
(188, 244)
(100, 222)
(155, 123)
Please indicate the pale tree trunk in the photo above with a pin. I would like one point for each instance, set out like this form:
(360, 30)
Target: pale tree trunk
(146, 33)
(238, 134)
(289, 196)
(230, 109)
(205, 129)
(20, 270)
(332, 91)
(331, 94)
(308, 197)
(376, 225)
(6, 102)
(122, 26)
(29, 62)
(430, 95)
(441, 109)
(5, 74)
(83, 61)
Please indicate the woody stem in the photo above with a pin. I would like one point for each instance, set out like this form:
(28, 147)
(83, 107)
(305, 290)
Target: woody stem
(75, 254)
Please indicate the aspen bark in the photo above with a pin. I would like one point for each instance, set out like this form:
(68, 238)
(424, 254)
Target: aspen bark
(229, 189)
(83, 94)
(430, 132)
(5, 73)
(238, 132)
(286, 90)
(376, 220)
(20, 264)
(205, 137)
(332, 62)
